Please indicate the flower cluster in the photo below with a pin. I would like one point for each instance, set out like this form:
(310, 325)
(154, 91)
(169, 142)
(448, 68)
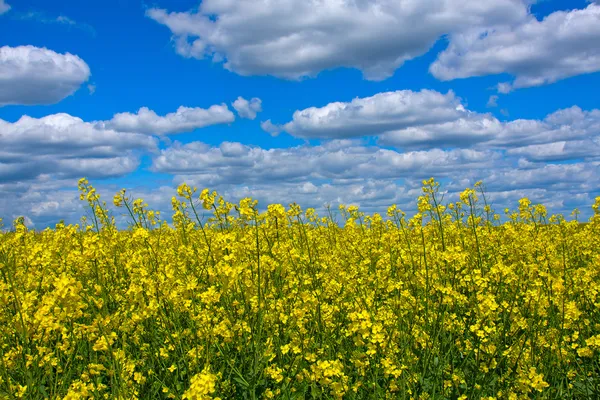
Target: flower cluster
(451, 303)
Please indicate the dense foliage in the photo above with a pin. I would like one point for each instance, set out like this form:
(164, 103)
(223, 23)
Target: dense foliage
(451, 303)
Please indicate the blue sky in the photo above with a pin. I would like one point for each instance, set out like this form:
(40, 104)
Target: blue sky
(385, 93)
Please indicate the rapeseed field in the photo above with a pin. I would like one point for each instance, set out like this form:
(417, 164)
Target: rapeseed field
(455, 302)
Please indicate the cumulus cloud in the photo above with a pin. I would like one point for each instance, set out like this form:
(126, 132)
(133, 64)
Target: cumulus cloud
(46, 202)
(372, 195)
(247, 109)
(270, 127)
(428, 120)
(30, 75)
(484, 131)
(235, 163)
(348, 171)
(370, 116)
(42, 201)
(555, 178)
(4, 7)
(344, 171)
(296, 38)
(185, 119)
(466, 131)
(563, 44)
(563, 125)
(339, 171)
(63, 146)
(559, 151)
(39, 157)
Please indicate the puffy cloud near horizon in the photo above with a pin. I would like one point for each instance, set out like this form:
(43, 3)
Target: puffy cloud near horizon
(340, 171)
(563, 44)
(293, 39)
(247, 109)
(4, 7)
(370, 116)
(30, 75)
(349, 171)
(235, 163)
(185, 119)
(62, 146)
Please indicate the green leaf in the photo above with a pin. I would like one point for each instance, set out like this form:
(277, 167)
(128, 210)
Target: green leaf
(242, 382)
(43, 391)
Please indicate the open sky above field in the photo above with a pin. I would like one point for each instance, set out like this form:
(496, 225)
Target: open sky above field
(312, 101)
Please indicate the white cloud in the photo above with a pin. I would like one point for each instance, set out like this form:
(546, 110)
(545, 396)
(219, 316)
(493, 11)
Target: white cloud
(466, 131)
(370, 116)
(563, 125)
(62, 146)
(31, 75)
(349, 172)
(563, 44)
(582, 177)
(429, 119)
(557, 151)
(270, 127)
(185, 119)
(43, 201)
(484, 131)
(235, 163)
(298, 38)
(4, 7)
(492, 101)
(41, 159)
(372, 195)
(47, 202)
(247, 109)
(341, 171)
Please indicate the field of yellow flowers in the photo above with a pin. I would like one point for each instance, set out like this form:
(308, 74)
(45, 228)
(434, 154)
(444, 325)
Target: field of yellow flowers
(449, 304)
